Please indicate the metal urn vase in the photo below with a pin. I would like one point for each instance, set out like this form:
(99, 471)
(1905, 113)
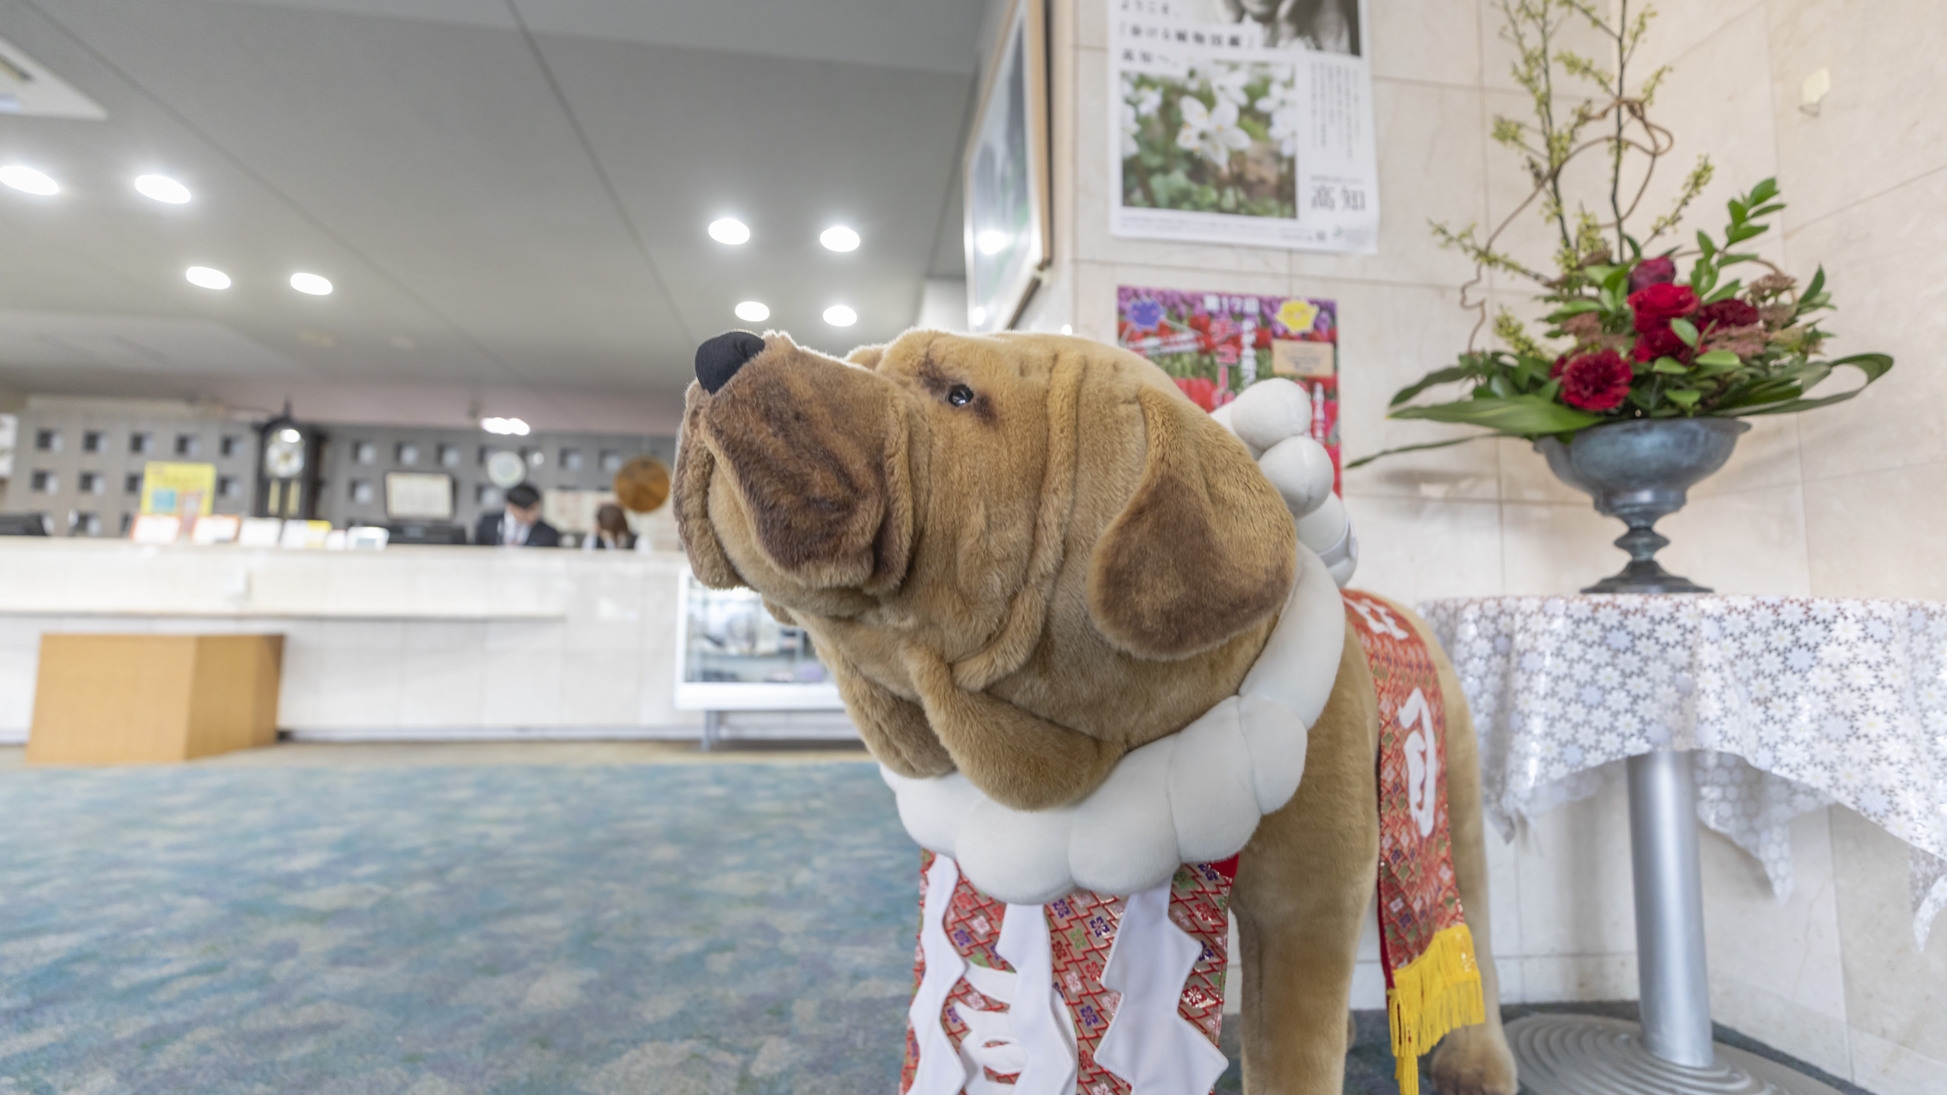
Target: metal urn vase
(1639, 471)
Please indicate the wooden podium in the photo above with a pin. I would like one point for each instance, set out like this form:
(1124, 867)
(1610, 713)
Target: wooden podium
(153, 699)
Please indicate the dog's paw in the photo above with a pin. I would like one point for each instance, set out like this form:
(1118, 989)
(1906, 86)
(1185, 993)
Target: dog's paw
(1473, 1061)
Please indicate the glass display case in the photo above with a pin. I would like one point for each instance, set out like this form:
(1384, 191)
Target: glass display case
(733, 655)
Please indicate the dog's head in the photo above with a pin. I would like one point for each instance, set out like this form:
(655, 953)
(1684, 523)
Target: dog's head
(1046, 517)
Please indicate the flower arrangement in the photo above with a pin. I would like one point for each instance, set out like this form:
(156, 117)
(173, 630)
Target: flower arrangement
(1633, 330)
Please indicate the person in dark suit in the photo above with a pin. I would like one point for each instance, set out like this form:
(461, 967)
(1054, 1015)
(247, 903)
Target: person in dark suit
(519, 525)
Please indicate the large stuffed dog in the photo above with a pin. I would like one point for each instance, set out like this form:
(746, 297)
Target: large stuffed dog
(1027, 558)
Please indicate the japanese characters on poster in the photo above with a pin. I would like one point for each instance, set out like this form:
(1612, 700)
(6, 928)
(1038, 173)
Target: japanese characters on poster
(1214, 345)
(1243, 122)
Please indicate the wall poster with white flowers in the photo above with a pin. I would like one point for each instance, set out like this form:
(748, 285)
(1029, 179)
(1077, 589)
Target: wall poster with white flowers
(1243, 122)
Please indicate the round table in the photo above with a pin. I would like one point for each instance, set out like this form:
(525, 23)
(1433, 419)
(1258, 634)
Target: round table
(1740, 712)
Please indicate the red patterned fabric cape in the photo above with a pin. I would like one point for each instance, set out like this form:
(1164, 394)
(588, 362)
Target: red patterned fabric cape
(1432, 979)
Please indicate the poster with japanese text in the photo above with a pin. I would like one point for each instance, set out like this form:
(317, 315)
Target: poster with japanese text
(1214, 345)
(1243, 122)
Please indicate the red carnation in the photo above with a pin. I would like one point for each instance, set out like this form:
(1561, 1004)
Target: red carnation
(1201, 390)
(1657, 305)
(1726, 313)
(1661, 342)
(1555, 370)
(1656, 271)
(1262, 340)
(1596, 382)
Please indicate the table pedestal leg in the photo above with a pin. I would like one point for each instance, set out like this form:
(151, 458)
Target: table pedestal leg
(1670, 1052)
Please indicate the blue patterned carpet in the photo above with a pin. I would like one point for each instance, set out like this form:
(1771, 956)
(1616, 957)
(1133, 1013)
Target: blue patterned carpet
(679, 928)
(693, 929)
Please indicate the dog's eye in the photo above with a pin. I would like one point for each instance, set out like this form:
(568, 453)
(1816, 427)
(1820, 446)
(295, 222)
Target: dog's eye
(959, 395)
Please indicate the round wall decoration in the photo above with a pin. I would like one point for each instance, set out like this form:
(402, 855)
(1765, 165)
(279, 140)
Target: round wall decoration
(642, 486)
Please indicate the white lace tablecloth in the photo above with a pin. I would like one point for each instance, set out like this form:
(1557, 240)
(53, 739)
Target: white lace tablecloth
(1791, 704)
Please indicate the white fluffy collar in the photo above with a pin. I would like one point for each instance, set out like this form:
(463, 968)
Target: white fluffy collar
(1192, 797)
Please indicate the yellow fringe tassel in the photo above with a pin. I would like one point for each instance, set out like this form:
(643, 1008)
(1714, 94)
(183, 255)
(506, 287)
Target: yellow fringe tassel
(1431, 995)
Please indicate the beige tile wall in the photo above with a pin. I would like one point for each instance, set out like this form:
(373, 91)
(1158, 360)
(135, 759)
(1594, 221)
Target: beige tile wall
(1848, 501)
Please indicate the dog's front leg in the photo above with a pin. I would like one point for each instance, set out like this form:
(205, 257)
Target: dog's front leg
(1303, 886)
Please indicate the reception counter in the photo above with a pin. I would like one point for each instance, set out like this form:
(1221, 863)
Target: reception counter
(409, 643)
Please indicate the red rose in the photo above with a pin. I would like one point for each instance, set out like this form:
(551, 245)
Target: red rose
(1661, 342)
(1657, 271)
(1657, 305)
(1595, 382)
(1201, 390)
(1262, 341)
(1726, 313)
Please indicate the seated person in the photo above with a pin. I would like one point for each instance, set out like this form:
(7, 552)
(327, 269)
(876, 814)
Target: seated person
(520, 524)
(611, 530)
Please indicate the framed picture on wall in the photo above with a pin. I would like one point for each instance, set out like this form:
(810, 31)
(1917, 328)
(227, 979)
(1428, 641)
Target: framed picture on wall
(418, 496)
(1005, 174)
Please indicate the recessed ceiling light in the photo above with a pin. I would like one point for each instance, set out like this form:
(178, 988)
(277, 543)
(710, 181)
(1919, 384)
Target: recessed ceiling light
(505, 426)
(992, 241)
(207, 277)
(839, 238)
(729, 230)
(311, 283)
(1067, 328)
(840, 316)
(28, 181)
(979, 316)
(161, 188)
(753, 311)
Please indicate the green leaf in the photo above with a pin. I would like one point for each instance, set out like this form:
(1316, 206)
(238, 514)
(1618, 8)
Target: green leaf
(1873, 366)
(1668, 365)
(1438, 376)
(1684, 397)
(1717, 357)
(1686, 330)
(1704, 245)
(1364, 460)
(1766, 190)
(1725, 291)
(1575, 308)
(1519, 415)
(1817, 283)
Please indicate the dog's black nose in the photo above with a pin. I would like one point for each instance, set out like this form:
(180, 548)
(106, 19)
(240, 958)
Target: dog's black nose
(719, 359)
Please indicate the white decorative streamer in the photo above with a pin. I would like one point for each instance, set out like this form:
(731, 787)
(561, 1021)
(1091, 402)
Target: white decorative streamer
(1043, 1029)
(939, 1070)
(1149, 1044)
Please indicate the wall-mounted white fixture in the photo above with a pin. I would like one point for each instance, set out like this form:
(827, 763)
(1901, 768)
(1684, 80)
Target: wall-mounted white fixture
(1812, 93)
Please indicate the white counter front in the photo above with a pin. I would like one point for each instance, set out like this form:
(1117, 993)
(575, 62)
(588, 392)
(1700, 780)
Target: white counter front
(406, 643)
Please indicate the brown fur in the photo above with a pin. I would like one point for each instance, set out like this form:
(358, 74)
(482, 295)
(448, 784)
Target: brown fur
(1026, 585)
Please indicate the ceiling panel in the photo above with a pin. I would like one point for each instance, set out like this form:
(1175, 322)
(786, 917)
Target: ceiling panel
(502, 202)
(790, 148)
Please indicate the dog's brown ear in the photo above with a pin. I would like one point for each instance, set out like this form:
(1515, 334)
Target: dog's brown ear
(868, 356)
(1205, 548)
(691, 497)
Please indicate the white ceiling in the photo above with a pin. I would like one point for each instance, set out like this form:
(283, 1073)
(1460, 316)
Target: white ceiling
(510, 195)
